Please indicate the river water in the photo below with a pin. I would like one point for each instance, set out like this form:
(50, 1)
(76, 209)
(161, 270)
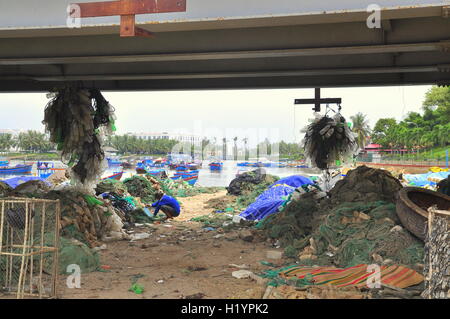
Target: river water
(206, 176)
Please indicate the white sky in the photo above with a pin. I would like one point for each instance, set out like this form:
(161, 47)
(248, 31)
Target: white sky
(257, 113)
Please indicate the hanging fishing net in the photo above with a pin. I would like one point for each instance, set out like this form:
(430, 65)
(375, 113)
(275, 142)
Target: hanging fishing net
(77, 119)
(327, 140)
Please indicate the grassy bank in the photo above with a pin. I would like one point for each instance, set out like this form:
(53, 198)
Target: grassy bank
(31, 156)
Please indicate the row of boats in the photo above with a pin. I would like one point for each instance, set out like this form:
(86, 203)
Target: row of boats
(272, 164)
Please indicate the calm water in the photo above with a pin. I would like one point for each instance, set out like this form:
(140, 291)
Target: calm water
(206, 177)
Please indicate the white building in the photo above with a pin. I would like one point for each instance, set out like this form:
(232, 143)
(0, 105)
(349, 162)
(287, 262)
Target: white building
(12, 132)
(190, 138)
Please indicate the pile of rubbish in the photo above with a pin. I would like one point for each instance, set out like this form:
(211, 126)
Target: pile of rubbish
(357, 224)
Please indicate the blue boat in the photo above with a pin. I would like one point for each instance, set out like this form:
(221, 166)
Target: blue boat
(18, 169)
(116, 175)
(216, 166)
(113, 162)
(243, 164)
(191, 180)
(45, 169)
(4, 163)
(159, 173)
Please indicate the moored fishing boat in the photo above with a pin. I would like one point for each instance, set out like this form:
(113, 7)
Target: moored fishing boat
(216, 166)
(18, 169)
(113, 162)
(159, 173)
(189, 177)
(45, 169)
(117, 176)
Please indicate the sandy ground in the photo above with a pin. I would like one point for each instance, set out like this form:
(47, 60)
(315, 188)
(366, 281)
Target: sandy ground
(180, 259)
(400, 169)
(195, 206)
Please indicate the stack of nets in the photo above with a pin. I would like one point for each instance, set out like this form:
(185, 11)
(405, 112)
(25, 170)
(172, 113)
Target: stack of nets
(444, 186)
(85, 217)
(357, 225)
(328, 140)
(145, 188)
(365, 184)
(5, 189)
(248, 186)
(111, 186)
(77, 119)
(246, 182)
(351, 234)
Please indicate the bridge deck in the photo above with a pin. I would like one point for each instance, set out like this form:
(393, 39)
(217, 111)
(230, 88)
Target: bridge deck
(228, 45)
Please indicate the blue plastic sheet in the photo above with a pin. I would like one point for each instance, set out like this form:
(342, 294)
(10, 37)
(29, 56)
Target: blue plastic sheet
(16, 181)
(294, 181)
(268, 202)
(422, 179)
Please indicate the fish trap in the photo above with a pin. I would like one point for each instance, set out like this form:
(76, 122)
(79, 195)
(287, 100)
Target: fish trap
(29, 241)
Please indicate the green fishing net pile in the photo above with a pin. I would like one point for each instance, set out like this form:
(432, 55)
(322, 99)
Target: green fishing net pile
(250, 191)
(139, 186)
(73, 252)
(110, 186)
(5, 189)
(338, 236)
(181, 188)
(294, 222)
(343, 240)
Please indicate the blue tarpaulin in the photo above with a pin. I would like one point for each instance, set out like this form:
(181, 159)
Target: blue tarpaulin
(16, 181)
(268, 202)
(422, 179)
(294, 181)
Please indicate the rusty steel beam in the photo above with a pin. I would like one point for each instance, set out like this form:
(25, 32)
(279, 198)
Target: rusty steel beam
(130, 7)
(127, 10)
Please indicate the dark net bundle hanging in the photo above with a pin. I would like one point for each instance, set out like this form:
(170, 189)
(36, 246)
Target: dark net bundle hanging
(76, 120)
(328, 139)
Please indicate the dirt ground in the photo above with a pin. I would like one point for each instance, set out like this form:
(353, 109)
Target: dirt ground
(179, 259)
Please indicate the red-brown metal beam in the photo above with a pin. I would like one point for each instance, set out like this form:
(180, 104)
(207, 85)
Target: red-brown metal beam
(127, 9)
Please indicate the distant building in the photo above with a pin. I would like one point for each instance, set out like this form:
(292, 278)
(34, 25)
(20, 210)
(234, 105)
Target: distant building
(110, 151)
(10, 131)
(191, 138)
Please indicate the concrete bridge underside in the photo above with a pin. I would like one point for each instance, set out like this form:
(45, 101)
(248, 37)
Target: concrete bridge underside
(333, 49)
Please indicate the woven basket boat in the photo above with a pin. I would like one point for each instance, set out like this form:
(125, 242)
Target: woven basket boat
(412, 206)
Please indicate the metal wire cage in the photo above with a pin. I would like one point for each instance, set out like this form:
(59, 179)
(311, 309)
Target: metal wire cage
(29, 241)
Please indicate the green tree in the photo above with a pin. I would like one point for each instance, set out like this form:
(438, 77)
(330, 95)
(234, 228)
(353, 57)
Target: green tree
(361, 128)
(34, 141)
(7, 141)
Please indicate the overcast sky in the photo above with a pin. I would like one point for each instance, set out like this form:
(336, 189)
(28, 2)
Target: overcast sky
(256, 113)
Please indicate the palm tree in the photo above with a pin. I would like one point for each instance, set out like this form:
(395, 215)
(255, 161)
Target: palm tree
(7, 141)
(245, 140)
(224, 148)
(235, 150)
(361, 128)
